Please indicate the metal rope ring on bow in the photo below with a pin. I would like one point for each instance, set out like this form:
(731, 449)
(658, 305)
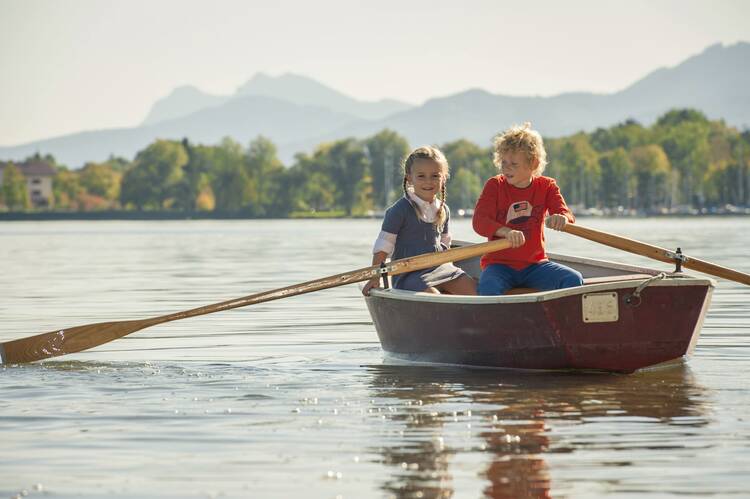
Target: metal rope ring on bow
(634, 299)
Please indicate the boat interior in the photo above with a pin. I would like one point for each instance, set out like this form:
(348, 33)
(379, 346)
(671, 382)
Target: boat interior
(593, 271)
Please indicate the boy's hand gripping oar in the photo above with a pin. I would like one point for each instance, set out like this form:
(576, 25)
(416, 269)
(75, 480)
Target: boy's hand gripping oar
(656, 253)
(76, 339)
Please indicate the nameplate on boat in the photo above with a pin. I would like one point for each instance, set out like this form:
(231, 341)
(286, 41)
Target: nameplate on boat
(600, 307)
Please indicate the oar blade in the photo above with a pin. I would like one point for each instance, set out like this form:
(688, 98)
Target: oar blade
(65, 341)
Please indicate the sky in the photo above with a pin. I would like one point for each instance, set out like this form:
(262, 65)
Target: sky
(73, 65)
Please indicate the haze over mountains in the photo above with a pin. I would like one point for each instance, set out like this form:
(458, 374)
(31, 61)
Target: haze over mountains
(298, 113)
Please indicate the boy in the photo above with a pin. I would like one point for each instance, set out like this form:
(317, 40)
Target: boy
(512, 206)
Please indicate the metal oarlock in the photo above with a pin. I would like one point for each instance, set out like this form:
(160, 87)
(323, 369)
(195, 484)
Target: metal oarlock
(678, 258)
(384, 274)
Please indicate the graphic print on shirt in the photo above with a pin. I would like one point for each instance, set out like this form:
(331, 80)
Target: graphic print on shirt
(518, 212)
(523, 216)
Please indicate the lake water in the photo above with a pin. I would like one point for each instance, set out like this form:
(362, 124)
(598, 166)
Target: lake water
(292, 398)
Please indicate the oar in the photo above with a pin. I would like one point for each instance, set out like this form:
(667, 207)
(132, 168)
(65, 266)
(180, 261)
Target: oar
(656, 253)
(78, 338)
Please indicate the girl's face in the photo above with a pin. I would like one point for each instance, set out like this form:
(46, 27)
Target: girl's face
(517, 168)
(427, 177)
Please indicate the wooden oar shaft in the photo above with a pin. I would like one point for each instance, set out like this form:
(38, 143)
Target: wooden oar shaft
(655, 252)
(394, 267)
(78, 338)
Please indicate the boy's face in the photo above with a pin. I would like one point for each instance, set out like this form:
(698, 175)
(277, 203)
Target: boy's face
(426, 176)
(517, 168)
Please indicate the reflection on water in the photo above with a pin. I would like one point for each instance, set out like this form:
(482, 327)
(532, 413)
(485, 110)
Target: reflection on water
(512, 414)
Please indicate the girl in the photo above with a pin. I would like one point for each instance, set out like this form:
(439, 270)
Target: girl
(418, 223)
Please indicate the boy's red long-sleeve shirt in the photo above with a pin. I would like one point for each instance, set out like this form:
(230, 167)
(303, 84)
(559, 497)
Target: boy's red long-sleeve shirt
(502, 205)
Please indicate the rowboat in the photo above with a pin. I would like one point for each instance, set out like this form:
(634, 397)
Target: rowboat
(624, 318)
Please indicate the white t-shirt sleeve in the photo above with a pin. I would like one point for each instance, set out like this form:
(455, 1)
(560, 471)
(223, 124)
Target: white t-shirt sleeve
(386, 242)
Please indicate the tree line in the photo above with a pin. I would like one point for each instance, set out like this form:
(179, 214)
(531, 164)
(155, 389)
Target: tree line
(683, 162)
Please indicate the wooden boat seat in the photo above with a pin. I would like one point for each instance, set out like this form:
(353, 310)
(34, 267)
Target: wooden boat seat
(588, 280)
(520, 291)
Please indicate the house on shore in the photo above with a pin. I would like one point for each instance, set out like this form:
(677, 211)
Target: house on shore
(38, 175)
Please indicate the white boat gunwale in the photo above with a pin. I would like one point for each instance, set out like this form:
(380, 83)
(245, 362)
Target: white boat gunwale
(619, 280)
(539, 296)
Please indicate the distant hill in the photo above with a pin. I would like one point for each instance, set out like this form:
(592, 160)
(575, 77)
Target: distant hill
(716, 82)
(288, 87)
(308, 92)
(181, 102)
(298, 113)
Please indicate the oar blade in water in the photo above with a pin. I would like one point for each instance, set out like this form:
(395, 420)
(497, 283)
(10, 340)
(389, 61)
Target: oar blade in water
(65, 341)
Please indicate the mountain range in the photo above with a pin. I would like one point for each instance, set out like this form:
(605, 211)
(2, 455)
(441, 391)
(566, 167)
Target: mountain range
(297, 112)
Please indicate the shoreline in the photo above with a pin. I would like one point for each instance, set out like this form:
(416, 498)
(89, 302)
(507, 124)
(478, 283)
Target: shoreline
(156, 216)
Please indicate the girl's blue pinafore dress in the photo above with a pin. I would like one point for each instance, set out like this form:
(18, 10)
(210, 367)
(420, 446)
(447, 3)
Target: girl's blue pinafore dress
(415, 237)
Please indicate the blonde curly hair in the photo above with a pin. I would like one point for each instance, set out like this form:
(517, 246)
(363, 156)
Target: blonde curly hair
(520, 138)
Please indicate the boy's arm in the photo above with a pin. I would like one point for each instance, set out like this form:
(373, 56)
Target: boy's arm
(485, 212)
(556, 203)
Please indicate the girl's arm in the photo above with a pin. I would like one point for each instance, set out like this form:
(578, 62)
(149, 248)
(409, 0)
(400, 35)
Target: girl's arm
(386, 241)
(377, 259)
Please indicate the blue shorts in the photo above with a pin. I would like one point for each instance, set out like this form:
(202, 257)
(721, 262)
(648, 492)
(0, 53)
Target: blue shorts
(497, 278)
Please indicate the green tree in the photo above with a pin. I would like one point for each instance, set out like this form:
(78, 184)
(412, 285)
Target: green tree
(616, 177)
(725, 178)
(684, 136)
(348, 165)
(67, 189)
(464, 189)
(476, 162)
(385, 151)
(317, 193)
(101, 179)
(655, 181)
(151, 182)
(575, 165)
(14, 192)
(742, 171)
(229, 180)
(117, 163)
(677, 117)
(627, 135)
(264, 171)
(307, 185)
(195, 181)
